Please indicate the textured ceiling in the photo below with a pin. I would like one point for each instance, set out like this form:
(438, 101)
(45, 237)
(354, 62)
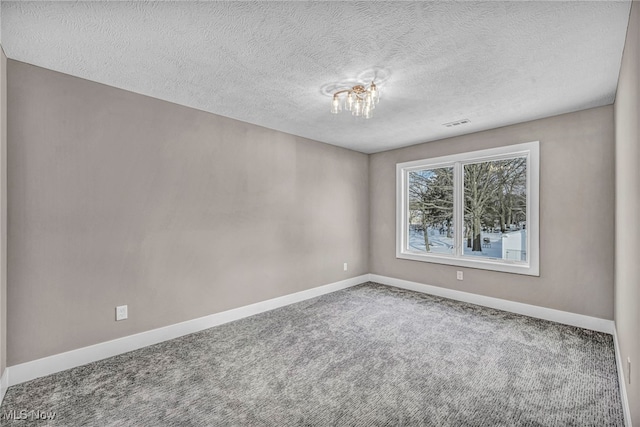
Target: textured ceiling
(274, 64)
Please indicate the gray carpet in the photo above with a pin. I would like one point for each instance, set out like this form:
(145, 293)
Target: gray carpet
(367, 356)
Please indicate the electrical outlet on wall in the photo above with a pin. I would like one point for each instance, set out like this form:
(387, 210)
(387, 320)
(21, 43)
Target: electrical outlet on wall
(345, 266)
(121, 312)
(459, 275)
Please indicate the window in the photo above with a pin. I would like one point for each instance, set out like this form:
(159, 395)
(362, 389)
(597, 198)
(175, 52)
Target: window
(477, 209)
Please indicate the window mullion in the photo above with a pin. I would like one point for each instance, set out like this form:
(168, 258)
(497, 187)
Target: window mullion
(458, 208)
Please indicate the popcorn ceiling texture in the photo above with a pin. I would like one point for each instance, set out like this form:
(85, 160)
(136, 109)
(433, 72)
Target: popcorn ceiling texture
(274, 64)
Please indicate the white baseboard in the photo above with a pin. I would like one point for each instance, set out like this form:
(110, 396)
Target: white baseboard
(4, 383)
(49, 365)
(59, 362)
(621, 380)
(564, 317)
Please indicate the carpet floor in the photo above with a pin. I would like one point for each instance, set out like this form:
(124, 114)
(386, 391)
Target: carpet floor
(370, 355)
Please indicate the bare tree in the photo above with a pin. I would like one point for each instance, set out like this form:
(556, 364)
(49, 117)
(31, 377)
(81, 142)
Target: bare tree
(479, 190)
(494, 192)
(431, 198)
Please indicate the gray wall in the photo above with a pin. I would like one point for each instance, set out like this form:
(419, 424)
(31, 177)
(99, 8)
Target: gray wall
(116, 198)
(576, 215)
(627, 266)
(3, 211)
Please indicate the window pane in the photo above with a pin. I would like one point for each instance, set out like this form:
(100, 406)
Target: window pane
(431, 211)
(495, 209)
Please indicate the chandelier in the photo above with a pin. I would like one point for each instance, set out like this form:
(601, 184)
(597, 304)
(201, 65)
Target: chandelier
(360, 100)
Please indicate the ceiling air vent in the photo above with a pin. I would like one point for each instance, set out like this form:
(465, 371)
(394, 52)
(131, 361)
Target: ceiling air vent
(457, 123)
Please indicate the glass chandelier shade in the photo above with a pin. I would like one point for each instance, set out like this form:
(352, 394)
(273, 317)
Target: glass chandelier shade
(360, 100)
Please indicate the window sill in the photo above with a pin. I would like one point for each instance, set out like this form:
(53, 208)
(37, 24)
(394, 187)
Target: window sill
(482, 264)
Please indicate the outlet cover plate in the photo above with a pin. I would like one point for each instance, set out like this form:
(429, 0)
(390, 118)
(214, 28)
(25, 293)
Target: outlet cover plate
(121, 312)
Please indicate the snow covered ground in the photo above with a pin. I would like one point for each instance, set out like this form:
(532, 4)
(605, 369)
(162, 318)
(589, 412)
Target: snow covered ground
(491, 250)
(441, 244)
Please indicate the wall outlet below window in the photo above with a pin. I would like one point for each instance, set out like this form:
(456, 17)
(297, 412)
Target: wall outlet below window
(121, 312)
(345, 266)
(459, 275)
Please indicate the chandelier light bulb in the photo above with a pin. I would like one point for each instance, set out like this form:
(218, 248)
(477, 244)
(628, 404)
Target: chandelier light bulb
(366, 112)
(375, 93)
(349, 103)
(357, 108)
(335, 105)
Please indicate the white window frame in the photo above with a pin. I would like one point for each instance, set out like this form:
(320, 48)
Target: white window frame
(530, 150)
